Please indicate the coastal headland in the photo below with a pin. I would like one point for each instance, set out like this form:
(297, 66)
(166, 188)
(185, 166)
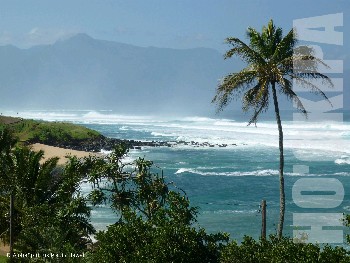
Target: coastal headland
(79, 139)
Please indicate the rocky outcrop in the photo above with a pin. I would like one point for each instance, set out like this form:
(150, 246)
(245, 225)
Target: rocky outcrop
(104, 143)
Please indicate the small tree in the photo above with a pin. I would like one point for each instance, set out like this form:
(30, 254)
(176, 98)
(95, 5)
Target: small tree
(154, 223)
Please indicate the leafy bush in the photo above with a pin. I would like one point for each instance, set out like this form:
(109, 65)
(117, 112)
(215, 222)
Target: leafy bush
(281, 250)
(154, 223)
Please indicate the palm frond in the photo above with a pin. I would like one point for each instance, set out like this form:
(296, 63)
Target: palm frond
(271, 36)
(284, 49)
(243, 51)
(271, 58)
(287, 90)
(249, 97)
(302, 79)
(256, 41)
(232, 86)
(256, 98)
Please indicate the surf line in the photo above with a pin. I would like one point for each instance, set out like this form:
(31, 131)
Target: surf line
(318, 193)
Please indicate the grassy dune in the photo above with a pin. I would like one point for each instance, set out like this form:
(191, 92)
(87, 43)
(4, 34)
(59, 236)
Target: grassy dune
(47, 132)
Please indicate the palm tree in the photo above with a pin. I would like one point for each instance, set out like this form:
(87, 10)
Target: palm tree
(272, 63)
(49, 211)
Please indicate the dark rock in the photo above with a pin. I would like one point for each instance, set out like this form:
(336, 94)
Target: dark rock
(108, 144)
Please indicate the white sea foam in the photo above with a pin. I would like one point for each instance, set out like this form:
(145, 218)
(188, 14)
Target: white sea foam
(103, 151)
(43, 115)
(225, 212)
(342, 174)
(183, 170)
(197, 119)
(264, 172)
(163, 134)
(344, 159)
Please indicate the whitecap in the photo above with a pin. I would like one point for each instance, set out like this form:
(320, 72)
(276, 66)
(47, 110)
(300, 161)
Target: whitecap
(342, 174)
(197, 119)
(163, 134)
(344, 159)
(223, 212)
(183, 170)
(264, 172)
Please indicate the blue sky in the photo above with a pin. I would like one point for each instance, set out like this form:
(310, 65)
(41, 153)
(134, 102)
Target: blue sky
(159, 23)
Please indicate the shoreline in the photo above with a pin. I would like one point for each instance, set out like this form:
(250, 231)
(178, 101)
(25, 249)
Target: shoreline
(54, 151)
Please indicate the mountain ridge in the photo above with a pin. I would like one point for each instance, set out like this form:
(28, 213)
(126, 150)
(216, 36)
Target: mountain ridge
(83, 72)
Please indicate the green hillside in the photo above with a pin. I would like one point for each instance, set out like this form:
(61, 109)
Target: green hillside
(47, 132)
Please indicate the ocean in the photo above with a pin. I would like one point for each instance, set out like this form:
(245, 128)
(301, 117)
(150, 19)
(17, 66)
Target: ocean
(229, 167)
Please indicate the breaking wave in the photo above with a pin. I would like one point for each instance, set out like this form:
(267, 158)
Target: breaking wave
(315, 137)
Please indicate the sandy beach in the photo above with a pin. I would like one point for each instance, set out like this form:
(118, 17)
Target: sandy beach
(51, 151)
(4, 249)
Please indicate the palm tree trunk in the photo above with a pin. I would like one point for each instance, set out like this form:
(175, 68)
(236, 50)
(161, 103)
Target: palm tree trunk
(11, 226)
(280, 139)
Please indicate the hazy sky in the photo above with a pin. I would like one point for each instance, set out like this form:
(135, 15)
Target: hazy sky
(160, 23)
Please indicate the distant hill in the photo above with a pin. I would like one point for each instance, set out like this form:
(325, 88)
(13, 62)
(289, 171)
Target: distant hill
(51, 133)
(85, 73)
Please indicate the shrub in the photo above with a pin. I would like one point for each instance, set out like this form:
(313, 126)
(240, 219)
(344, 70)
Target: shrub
(281, 250)
(153, 222)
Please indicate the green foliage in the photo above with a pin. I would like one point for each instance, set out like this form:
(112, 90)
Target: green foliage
(347, 223)
(50, 216)
(138, 240)
(155, 222)
(6, 143)
(47, 132)
(282, 250)
(154, 219)
(3, 259)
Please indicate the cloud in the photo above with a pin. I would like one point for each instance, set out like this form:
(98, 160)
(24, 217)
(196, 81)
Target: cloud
(33, 31)
(39, 36)
(36, 36)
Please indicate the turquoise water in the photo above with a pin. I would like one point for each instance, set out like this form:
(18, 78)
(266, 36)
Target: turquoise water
(228, 183)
